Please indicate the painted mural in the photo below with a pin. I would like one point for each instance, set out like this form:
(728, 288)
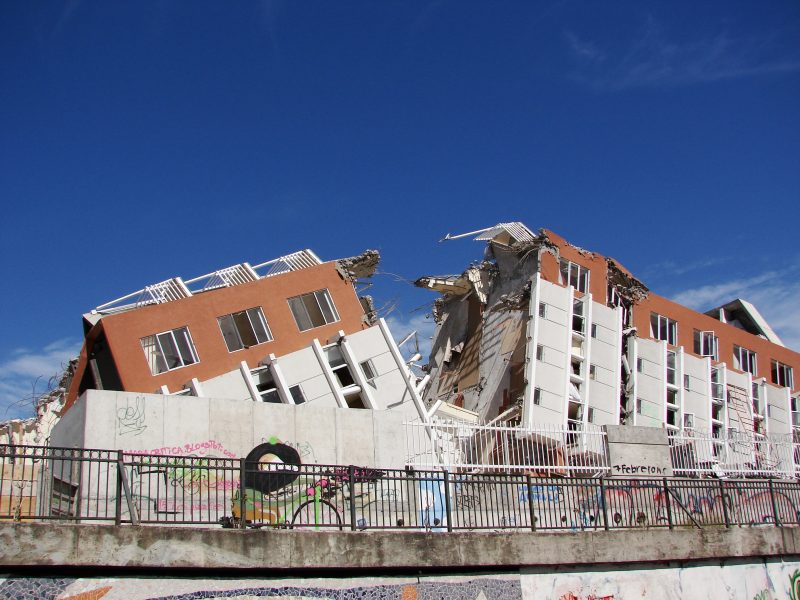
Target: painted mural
(758, 580)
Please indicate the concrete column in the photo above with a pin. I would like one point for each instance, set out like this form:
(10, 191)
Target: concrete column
(358, 374)
(248, 381)
(401, 365)
(531, 341)
(329, 376)
(280, 381)
(196, 387)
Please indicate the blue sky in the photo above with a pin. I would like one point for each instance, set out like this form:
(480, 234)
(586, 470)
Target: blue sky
(141, 141)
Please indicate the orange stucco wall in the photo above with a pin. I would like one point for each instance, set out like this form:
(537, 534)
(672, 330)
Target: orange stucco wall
(199, 313)
(689, 320)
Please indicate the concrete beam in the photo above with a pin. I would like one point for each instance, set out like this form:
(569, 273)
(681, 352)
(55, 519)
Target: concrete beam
(157, 547)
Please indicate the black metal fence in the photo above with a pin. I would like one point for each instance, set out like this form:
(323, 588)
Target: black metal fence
(81, 485)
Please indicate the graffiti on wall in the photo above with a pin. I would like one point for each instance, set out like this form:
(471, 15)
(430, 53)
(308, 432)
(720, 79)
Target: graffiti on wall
(131, 417)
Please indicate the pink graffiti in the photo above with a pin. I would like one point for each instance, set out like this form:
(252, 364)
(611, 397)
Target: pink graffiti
(195, 449)
(571, 596)
(171, 506)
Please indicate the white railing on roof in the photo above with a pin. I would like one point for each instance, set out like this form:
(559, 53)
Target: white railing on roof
(176, 288)
(737, 454)
(541, 450)
(291, 262)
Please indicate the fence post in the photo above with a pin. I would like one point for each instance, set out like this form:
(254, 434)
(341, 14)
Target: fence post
(448, 512)
(242, 496)
(774, 504)
(667, 502)
(530, 501)
(724, 499)
(603, 503)
(118, 507)
(351, 474)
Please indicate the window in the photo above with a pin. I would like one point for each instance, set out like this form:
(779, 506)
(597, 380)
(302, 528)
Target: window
(592, 372)
(297, 394)
(706, 344)
(671, 369)
(744, 360)
(782, 374)
(537, 396)
(578, 319)
(244, 329)
(339, 366)
(539, 352)
(663, 328)
(686, 382)
(594, 330)
(640, 365)
(590, 415)
(542, 310)
(369, 370)
(169, 350)
(688, 420)
(575, 275)
(638, 406)
(313, 310)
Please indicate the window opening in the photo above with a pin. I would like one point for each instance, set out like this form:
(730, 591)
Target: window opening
(169, 350)
(664, 329)
(782, 374)
(744, 360)
(244, 329)
(539, 352)
(671, 370)
(574, 275)
(706, 344)
(369, 370)
(537, 396)
(339, 366)
(267, 388)
(542, 310)
(313, 310)
(686, 382)
(297, 394)
(578, 320)
(594, 330)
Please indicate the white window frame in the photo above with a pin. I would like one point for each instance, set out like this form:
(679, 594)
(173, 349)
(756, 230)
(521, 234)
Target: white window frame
(688, 420)
(153, 348)
(368, 368)
(254, 318)
(745, 360)
(575, 275)
(782, 374)
(664, 329)
(706, 343)
(323, 303)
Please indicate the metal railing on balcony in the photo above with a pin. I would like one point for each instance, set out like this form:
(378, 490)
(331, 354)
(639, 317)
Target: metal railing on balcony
(544, 450)
(118, 488)
(735, 454)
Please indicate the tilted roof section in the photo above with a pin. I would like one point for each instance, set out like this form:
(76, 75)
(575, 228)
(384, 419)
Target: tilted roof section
(516, 231)
(176, 288)
(740, 313)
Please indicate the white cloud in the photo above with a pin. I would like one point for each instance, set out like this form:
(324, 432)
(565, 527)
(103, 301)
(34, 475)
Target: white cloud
(775, 295)
(652, 59)
(25, 374)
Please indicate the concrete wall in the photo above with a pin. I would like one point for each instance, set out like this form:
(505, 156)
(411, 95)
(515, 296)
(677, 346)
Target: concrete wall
(186, 425)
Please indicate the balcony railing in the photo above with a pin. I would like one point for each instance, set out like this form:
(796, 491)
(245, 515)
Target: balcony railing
(465, 447)
(113, 487)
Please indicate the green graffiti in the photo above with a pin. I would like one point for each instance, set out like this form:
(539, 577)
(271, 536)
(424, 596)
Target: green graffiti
(794, 585)
(762, 595)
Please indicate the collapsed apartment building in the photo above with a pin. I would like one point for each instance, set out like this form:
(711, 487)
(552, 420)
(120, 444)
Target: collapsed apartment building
(548, 337)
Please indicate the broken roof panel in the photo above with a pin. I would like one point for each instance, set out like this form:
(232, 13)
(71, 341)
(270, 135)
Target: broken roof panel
(515, 230)
(740, 313)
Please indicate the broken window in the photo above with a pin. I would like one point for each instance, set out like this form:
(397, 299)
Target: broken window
(244, 329)
(664, 329)
(62, 498)
(169, 350)
(313, 310)
(267, 388)
(574, 275)
(782, 374)
(744, 360)
(339, 366)
(706, 344)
